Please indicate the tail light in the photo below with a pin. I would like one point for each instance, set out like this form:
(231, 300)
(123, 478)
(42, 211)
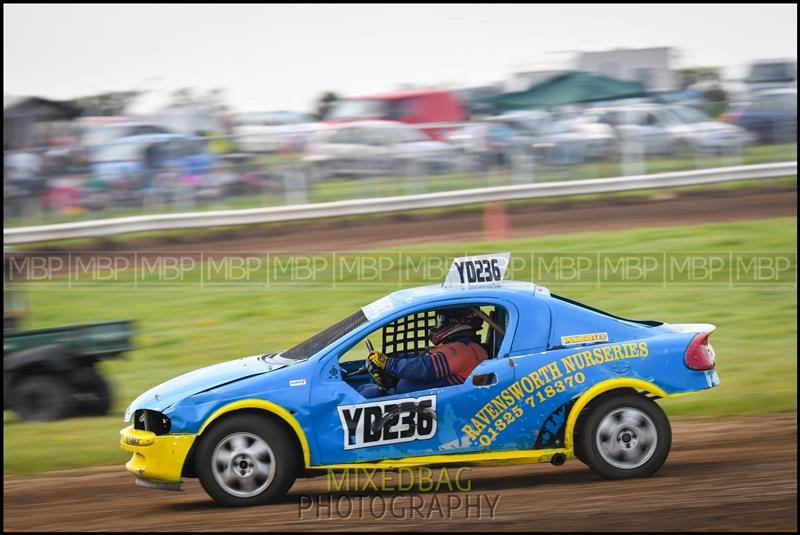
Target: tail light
(732, 118)
(700, 355)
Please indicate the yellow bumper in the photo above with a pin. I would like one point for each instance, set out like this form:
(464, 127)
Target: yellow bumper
(155, 457)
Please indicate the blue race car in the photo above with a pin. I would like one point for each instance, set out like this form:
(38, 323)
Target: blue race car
(561, 380)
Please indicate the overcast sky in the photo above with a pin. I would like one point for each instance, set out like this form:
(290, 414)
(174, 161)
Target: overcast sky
(283, 56)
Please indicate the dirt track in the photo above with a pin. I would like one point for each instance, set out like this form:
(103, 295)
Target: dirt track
(396, 230)
(723, 474)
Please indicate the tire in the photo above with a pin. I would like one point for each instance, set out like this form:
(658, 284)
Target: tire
(96, 394)
(578, 446)
(267, 455)
(682, 149)
(624, 436)
(43, 398)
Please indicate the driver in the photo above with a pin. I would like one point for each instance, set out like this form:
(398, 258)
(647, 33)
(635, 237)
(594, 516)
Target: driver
(455, 353)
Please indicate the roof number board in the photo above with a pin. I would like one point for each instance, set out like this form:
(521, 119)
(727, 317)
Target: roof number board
(471, 271)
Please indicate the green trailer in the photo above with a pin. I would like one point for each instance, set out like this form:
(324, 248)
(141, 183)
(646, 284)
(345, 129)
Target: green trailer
(49, 374)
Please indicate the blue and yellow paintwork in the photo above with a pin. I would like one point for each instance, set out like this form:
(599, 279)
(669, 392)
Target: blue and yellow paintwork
(542, 384)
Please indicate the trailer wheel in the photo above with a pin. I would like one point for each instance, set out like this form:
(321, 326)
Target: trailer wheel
(42, 398)
(97, 401)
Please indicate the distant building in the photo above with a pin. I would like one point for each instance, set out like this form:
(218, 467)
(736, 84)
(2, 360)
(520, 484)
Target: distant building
(650, 66)
(541, 69)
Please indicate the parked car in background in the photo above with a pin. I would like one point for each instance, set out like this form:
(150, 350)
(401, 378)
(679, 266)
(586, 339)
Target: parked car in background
(564, 138)
(366, 148)
(644, 125)
(771, 74)
(92, 134)
(704, 134)
(154, 165)
(484, 143)
(546, 138)
(598, 140)
(273, 131)
(770, 115)
(410, 107)
(658, 129)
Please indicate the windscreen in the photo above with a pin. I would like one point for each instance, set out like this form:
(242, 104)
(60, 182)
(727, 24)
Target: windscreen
(772, 72)
(305, 349)
(358, 109)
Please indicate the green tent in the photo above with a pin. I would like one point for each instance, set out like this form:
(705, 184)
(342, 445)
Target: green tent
(569, 88)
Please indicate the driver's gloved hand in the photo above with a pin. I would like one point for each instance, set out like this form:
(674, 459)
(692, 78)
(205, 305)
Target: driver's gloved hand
(377, 359)
(376, 366)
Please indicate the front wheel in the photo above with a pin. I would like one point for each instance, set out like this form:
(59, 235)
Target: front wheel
(624, 436)
(246, 459)
(43, 398)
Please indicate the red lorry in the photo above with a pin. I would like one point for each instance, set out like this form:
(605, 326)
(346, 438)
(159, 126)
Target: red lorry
(422, 106)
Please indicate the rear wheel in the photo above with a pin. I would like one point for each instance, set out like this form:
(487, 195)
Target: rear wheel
(246, 459)
(43, 398)
(627, 435)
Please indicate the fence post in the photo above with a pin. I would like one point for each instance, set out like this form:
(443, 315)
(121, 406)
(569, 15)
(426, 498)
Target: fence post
(295, 185)
(521, 165)
(495, 224)
(416, 178)
(632, 158)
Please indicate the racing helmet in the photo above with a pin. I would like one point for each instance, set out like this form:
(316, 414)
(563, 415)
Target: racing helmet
(454, 322)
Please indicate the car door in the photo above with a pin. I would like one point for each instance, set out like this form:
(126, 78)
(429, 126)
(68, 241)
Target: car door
(343, 145)
(653, 135)
(351, 428)
(374, 150)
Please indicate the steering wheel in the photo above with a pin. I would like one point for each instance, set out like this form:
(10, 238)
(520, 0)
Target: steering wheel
(365, 367)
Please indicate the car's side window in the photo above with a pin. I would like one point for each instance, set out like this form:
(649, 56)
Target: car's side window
(409, 337)
(360, 136)
(345, 135)
(358, 352)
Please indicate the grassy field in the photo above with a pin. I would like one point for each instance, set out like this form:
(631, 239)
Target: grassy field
(183, 328)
